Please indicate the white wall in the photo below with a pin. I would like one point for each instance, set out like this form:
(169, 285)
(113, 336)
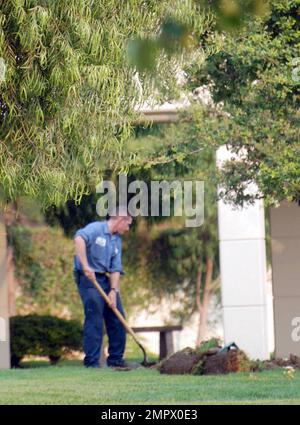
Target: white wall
(243, 274)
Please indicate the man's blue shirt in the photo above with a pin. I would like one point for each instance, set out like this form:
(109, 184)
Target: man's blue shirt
(103, 249)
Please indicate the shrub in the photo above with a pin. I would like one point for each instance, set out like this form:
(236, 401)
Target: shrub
(43, 260)
(44, 336)
(209, 344)
(29, 269)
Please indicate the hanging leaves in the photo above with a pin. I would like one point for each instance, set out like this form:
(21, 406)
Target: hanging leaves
(67, 102)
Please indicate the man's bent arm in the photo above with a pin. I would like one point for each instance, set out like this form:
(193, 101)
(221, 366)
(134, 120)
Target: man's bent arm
(80, 249)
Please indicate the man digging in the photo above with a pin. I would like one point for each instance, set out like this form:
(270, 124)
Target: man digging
(98, 248)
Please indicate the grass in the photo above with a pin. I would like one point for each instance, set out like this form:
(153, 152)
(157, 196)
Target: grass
(70, 383)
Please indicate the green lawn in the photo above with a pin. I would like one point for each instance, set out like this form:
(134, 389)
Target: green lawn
(70, 383)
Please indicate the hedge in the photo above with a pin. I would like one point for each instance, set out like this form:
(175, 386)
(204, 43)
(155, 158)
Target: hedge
(43, 336)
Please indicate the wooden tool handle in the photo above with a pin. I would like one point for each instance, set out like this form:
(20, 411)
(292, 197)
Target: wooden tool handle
(116, 311)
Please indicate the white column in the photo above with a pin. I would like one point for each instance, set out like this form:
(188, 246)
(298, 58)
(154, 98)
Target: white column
(4, 323)
(243, 274)
(285, 233)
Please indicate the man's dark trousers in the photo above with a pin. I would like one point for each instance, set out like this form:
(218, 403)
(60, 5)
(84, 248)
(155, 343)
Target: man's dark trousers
(95, 310)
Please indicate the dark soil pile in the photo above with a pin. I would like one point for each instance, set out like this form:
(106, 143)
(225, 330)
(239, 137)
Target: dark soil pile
(217, 364)
(228, 361)
(292, 361)
(208, 360)
(180, 363)
(211, 359)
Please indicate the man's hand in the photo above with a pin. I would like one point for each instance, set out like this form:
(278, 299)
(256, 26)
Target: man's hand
(112, 296)
(114, 280)
(89, 273)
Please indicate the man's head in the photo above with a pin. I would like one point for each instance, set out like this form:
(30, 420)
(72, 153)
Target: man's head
(120, 220)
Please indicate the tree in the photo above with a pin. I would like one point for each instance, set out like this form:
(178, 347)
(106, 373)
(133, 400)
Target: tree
(182, 261)
(252, 73)
(255, 76)
(68, 97)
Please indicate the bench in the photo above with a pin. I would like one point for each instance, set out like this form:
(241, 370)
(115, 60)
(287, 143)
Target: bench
(166, 346)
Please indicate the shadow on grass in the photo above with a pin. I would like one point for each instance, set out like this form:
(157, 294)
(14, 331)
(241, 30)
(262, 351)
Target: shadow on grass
(34, 364)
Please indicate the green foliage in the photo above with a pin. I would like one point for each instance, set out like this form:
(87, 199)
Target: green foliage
(206, 345)
(67, 101)
(198, 369)
(175, 37)
(254, 73)
(258, 365)
(68, 97)
(44, 263)
(71, 216)
(231, 15)
(43, 336)
(28, 268)
(178, 253)
(138, 286)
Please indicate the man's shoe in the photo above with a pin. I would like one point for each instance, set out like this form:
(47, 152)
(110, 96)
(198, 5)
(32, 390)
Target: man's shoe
(124, 366)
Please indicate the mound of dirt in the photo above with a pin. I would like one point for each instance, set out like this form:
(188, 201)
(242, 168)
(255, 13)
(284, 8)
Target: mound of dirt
(216, 364)
(180, 363)
(228, 361)
(212, 361)
(292, 361)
